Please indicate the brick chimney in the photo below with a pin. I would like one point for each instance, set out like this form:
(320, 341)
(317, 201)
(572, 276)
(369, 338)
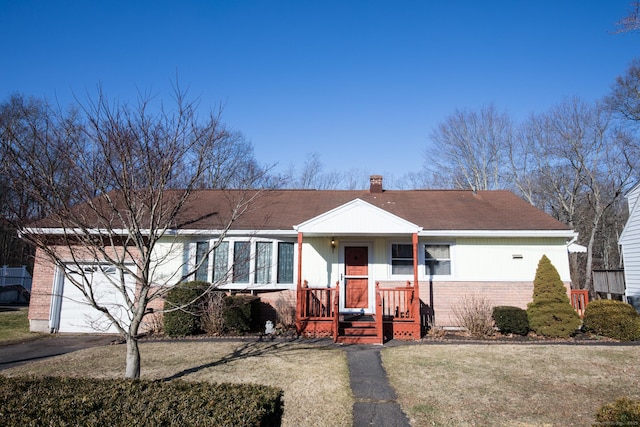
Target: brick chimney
(375, 182)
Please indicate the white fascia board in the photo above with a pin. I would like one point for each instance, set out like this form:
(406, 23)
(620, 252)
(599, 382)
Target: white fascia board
(569, 234)
(234, 232)
(74, 231)
(170, 232)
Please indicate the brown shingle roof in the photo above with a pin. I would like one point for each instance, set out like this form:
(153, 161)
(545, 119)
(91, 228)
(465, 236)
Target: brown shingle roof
(430, 209)
(283, 209)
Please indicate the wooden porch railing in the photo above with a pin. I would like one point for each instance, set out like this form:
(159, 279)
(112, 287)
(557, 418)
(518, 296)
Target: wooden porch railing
(397, 312)
(579, 300)
(400, 310)
(317, 302)
(397, 303)
(316, 308)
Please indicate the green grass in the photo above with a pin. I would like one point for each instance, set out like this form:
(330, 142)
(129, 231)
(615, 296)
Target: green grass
(14, 325)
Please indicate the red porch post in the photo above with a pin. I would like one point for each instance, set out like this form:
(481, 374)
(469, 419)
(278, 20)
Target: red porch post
(299, 287)
(416, 289)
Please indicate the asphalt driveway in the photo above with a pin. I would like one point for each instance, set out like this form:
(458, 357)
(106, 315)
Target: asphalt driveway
(49, 345)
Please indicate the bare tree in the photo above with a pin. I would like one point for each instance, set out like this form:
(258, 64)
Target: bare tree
(470, 148)
(624, 99)
(631, 22)
(126, 187)
(572, 162)
(312, 175)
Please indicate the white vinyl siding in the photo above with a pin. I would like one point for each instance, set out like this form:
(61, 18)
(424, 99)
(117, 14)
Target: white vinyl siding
(506, 259)
(630, 242)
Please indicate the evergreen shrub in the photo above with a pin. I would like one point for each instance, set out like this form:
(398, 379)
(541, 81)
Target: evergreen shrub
(241, 312)
(550, 313)
(622, 412)
(511, 320)
(613, 319)
(57, 401)
(184, 306)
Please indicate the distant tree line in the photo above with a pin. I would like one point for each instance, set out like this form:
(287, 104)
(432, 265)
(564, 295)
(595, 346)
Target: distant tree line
(574, 161)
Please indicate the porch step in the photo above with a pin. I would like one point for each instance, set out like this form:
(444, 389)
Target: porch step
(355, 331)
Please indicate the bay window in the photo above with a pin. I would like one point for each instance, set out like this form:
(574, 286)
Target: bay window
(245, 262)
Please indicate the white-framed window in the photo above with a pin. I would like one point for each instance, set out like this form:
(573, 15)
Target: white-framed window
(437, 259)
(221, 262)
(241, 262)
(285, 262)
(402, 259)
(263, 262)
(202, 261)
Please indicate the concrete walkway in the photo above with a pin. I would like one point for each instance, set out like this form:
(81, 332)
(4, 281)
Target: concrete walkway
(375, 400)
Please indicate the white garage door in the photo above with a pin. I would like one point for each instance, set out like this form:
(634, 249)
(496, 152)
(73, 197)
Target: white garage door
(76, 315)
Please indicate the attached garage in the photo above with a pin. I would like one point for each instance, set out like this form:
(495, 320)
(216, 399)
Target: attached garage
(70, 311)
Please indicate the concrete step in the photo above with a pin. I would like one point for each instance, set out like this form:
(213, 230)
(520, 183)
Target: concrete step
(351, 339)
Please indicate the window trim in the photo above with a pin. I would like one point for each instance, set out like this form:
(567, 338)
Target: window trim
(400, 276)
(422, 267)
(423, 261)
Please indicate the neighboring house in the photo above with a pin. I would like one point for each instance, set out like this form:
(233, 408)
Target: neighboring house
(396, 259)
(630, 243)
(15, 285)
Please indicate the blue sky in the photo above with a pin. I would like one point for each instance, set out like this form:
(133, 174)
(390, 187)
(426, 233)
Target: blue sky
(362, 83)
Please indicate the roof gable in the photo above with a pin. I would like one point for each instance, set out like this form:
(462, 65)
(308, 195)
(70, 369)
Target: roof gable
(357, 217)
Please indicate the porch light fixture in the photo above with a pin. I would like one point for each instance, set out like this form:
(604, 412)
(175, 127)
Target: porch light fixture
(333, 244)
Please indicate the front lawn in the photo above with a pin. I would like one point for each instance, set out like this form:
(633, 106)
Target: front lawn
(510, 384)
(315, 378)
(14, 325)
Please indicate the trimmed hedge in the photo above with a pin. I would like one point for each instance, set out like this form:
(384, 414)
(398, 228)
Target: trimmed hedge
(622, 412)
(551, 314)
(613, 319)
(241, 312)
(104, 402)
(511, 320)
(185, 320)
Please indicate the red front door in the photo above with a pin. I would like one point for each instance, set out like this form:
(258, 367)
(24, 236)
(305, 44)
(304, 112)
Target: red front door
(356, 282)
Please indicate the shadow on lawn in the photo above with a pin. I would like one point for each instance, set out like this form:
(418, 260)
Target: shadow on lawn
(254, 349)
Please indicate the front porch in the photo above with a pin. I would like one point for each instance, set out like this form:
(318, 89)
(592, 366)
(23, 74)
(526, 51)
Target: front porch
(347, 255)
(396, 315)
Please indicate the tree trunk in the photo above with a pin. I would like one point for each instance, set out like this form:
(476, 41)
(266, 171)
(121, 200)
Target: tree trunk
(132, 369)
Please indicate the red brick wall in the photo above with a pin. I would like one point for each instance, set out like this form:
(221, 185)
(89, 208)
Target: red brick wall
(442, 297)
(41, 287)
